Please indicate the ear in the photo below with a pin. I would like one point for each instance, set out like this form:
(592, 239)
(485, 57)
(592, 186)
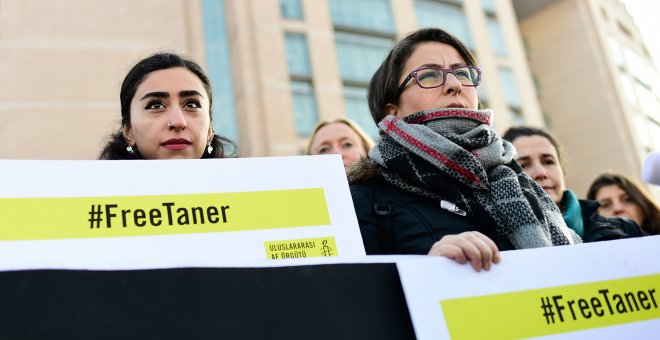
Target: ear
(210, 135)
(128, 135)
(391, 109)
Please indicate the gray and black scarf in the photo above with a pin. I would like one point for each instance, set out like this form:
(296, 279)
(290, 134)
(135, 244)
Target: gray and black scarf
(453, 155)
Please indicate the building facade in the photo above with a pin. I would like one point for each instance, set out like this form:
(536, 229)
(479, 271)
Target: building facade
(280, 66)
(596, 83)
(277, 66)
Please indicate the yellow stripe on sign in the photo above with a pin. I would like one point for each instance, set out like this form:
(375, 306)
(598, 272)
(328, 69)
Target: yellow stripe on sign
(554, 310)
(121, 216)
(301, 248)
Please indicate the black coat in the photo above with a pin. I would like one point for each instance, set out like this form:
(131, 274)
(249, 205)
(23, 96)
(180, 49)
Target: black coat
(393, 221)
(599, 228)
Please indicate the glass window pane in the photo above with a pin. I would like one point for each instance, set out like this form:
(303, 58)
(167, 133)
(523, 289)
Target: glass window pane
(628, 88)
(489, 6)
(517, 118)
(375, 15)
(615, 50)
(497, 37)
(637, 66)
(297, 55)
(304, 107)
(510, 88)
(219, 68)
(450, 18)
(357, 109)
(291, 9)
(360, 55)
(641, 124)
(648, 101)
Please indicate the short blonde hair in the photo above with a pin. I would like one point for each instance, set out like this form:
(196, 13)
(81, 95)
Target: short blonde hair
(366, 140)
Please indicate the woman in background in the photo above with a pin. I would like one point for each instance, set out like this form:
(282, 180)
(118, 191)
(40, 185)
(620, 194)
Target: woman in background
(539, 155)
(166, 113)
(618, 195)
(340, 136)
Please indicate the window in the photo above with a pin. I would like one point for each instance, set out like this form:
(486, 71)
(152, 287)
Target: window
(496, 37)
(641, 124)
(304, 107)
(357, 109)
(615, 50)
(360, 55)
(297, 55)
(446, 15)
(628, 88)
(370, 15)
(291, 9)
(489, 6)
(648, 101)
(302, 90)
(219, 68)
(511, 95)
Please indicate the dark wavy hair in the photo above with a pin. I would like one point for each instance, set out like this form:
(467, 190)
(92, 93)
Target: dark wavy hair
(515, 132)
(385, 81)
(650, 211)
(115, 147)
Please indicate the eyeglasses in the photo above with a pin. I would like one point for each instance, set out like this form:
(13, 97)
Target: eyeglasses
(432, 77)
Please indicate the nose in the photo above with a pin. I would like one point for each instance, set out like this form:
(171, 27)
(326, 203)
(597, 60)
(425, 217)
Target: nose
(452, 86)
(537, 172)
(176, 120)
(335, 149)
(617, 208)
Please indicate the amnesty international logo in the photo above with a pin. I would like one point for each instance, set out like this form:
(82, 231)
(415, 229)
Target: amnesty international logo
(301, 248)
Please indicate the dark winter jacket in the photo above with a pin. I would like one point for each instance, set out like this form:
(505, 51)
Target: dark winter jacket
(393, 221)
(599, 228)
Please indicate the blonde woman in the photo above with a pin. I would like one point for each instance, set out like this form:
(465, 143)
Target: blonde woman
(340, 136)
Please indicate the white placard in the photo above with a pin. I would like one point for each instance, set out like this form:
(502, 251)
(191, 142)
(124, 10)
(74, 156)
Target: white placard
(526, 293)
(172, 183)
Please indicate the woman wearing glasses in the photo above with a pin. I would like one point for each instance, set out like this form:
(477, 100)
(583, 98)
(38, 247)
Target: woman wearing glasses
(440, 181)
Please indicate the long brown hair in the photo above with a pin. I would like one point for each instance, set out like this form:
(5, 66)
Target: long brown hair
(650, 211)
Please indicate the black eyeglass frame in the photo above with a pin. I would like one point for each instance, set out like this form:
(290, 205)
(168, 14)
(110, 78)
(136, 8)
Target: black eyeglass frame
(445, 71)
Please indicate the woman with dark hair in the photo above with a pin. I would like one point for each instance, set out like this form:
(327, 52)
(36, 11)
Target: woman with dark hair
(440, 181)
(166, 113)
(539, 154)
(620, 196)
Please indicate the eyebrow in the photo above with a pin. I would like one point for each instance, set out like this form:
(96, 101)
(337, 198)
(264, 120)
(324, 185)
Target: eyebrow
(543, 155)
(161, 94)
(454, 65)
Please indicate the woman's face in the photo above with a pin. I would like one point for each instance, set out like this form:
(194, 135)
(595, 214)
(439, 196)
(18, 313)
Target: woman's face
(170, 116)
(539, 159)
(451, 94)
(614, 201)
(338, 138)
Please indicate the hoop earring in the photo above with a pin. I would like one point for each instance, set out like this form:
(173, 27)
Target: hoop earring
(129, 149)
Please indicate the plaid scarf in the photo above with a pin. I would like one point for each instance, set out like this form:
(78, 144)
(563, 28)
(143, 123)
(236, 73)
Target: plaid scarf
(453, 155)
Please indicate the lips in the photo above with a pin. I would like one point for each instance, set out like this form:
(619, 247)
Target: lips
(456, 105)
(176, 144)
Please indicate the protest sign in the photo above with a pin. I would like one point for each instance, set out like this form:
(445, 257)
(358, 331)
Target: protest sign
(598, 290)
(112, 214)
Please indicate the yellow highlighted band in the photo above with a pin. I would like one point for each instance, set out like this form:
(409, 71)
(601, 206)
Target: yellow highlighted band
(121, 216)
(301, 248)
(554, 310)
